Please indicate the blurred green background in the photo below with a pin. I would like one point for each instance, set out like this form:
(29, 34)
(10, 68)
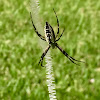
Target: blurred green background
(20, 76)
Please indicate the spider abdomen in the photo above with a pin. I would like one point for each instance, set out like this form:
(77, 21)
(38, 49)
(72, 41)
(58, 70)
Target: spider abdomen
(49, 33)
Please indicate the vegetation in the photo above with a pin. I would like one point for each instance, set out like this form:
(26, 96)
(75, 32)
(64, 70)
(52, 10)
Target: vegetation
(20, 76)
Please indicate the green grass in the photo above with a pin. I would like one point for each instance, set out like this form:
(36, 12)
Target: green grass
(20, 76)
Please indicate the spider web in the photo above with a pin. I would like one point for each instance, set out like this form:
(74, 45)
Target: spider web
(49, 69)
(36, 19)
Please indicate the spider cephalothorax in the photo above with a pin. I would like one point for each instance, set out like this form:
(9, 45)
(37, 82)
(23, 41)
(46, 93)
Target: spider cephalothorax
(51, 40)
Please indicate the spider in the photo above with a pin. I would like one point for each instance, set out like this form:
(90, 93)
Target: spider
(52, 40)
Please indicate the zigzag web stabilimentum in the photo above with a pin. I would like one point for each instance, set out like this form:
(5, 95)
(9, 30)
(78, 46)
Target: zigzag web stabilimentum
(34, 4)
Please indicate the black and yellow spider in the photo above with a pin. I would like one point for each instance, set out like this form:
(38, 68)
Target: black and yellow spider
(52, 40)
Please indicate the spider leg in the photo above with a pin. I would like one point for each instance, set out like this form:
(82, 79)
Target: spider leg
(57, 22)
(60, 35)
(42, 37)
(66, 54)
(41, 59)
